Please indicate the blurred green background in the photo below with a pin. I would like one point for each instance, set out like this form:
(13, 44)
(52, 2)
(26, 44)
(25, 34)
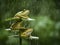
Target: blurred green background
(46, 25)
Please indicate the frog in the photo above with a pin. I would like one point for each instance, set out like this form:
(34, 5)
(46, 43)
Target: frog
(18, 24)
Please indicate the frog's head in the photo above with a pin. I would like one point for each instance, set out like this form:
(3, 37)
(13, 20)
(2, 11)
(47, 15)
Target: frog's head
(26, 12)
(25, 15)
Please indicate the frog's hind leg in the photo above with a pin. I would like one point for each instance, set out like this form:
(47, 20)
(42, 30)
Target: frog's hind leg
(26, 33)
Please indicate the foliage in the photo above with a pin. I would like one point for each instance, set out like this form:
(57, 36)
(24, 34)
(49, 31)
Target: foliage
(46, 25)
(3, 37)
